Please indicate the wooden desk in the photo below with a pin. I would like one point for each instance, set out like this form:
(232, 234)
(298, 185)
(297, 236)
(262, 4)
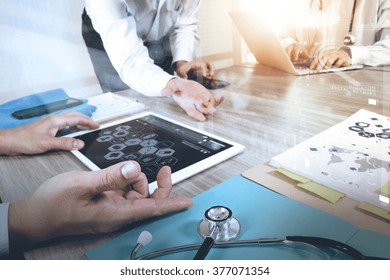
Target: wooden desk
(266, 110)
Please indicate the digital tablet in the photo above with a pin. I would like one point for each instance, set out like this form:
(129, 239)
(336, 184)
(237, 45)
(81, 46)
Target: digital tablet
(154, 141)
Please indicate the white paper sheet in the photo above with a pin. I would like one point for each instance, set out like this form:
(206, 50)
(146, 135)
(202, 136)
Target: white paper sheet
(352, 157)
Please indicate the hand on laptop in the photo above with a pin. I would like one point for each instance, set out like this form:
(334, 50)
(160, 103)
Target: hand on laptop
(82, 202)
(298, 53)
(333, 57)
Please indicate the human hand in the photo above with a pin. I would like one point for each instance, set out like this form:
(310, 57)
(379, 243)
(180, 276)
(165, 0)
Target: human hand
(185, 69)
(298, 53)
(83, 202)
(194, 98)
(333, 57)
(39, 136)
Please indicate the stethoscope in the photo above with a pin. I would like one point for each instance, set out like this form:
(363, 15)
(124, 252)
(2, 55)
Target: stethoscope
(349, 39)
(219, 228)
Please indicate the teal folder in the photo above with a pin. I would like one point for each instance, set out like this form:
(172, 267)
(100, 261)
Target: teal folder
(37, 99)
(262, 213)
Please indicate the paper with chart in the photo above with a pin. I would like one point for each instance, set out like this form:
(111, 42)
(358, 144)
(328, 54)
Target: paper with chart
(352, 157)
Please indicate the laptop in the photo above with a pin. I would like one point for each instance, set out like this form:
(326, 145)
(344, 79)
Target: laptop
(267, 48)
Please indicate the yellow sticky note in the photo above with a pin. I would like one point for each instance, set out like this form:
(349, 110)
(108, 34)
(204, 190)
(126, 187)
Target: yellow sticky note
(375, 210)
(385, 190)
(293, 176)
(322, 191)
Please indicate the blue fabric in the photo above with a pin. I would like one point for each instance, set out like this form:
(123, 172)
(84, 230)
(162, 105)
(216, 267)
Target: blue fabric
(262, 213)
(6, 109)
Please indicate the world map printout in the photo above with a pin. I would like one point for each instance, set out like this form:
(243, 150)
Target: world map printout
(352, 157)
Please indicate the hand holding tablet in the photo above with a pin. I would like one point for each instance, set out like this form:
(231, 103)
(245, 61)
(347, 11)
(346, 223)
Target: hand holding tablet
(154, 141)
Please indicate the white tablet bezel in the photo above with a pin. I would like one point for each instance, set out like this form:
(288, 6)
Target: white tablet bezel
(181, 174)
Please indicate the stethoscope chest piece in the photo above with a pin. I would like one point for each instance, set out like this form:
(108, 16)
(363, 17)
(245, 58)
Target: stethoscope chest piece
(219, 223)
(349, 40)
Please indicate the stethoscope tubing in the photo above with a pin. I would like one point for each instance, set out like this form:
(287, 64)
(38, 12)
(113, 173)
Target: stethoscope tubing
(194, 246)
(205, 248)
(316, 241)
(324, 242)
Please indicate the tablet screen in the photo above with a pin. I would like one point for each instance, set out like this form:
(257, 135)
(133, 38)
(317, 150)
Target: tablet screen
(153, 142)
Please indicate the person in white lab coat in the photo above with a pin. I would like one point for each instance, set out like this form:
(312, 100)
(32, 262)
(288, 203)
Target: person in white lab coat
(339, 33)
(146, 42)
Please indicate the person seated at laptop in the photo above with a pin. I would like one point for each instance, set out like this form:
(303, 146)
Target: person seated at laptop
(339, 33)
(146, 41)
(78, 202)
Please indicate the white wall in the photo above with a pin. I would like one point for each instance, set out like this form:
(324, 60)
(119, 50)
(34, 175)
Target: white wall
(41, 48)
(218, 36)
(41, 45)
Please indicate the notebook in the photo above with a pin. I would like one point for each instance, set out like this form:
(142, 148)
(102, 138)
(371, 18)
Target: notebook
(267, 48)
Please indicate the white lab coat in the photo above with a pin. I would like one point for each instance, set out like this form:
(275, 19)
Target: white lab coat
(124, 25)
(328, 27)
